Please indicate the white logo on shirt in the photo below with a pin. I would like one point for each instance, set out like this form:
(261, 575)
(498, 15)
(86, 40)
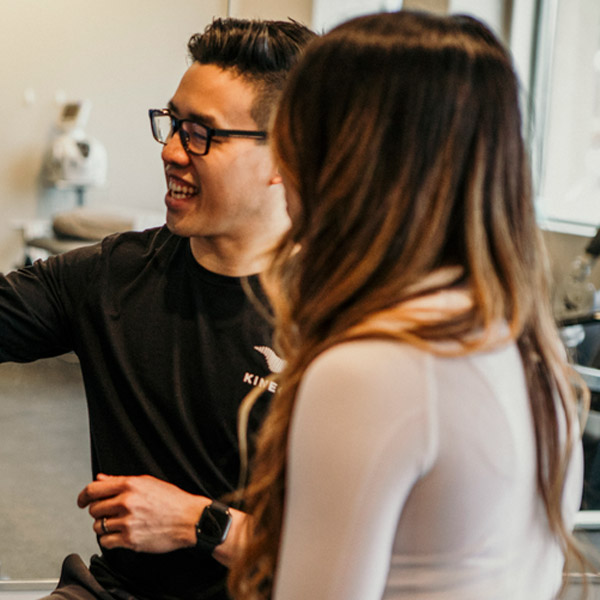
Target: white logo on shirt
(275, 364)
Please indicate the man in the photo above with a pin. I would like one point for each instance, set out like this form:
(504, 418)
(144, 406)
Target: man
(168, 340)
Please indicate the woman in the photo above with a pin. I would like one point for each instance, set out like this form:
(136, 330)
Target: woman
(423, 440)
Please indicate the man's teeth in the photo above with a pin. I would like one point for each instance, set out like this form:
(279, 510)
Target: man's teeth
(181, 191)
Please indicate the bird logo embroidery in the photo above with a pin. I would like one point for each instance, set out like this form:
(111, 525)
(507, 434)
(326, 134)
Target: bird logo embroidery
(275, 364)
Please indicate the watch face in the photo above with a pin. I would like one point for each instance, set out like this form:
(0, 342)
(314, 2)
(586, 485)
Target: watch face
(214, 524)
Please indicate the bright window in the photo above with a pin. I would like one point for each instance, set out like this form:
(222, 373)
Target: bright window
(566, 114)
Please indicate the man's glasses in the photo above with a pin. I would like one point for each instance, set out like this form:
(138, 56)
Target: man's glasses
(195, 137)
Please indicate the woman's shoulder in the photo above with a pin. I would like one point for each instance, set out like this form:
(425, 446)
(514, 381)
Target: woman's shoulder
(371, 390)
(369, 355)
(361, 370)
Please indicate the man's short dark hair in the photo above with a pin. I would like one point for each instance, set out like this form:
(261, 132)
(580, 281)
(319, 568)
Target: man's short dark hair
(262, 52)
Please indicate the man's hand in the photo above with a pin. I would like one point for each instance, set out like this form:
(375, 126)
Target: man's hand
(142, 513)
(145, 514)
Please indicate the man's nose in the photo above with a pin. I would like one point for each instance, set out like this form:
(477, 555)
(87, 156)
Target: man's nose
(174, 152)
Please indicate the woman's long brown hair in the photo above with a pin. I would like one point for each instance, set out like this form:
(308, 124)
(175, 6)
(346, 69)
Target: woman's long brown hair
(401, 136)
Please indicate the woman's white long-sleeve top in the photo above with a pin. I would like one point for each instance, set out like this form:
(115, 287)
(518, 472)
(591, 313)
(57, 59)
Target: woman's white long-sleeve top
(413, 476)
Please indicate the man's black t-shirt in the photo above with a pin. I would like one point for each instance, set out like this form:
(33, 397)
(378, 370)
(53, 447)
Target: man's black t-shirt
(168, 350)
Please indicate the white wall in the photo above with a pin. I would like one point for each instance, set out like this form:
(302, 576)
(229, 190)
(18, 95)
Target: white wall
(300, 10)
(490, 11)
(125, 56)
(328, 13)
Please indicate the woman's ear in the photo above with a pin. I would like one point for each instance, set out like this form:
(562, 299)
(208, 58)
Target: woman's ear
(276, 179)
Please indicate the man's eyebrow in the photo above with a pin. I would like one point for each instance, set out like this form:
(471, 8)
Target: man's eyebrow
(199, 117)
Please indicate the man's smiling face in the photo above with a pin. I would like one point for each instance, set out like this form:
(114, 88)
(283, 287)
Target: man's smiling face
(222, 193)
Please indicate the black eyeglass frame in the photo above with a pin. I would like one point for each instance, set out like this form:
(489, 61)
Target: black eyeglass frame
(210, 131)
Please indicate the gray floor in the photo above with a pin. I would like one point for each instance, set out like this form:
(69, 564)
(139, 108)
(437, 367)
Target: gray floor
(44, 463)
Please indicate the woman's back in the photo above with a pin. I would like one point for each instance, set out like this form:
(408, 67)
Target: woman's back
(430, 460)
(402, 473)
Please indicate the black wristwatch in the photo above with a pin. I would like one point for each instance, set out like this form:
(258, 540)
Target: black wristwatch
(213, 526)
